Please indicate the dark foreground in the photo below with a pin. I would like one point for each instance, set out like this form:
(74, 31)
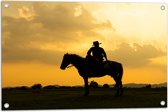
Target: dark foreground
(72, 98)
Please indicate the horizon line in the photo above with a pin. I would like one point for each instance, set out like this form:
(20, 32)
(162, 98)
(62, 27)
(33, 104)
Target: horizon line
(82, 85)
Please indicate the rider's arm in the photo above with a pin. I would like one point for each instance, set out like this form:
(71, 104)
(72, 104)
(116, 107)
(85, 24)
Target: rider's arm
(104, 54)
(89, 51)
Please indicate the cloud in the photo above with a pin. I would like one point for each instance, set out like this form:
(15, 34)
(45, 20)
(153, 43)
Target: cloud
(26, 13)
(44, 32)
(30, 55)
(62, 17)
(47, 24)
(135, 55)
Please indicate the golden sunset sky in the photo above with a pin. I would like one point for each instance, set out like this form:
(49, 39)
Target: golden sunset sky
(36, 35)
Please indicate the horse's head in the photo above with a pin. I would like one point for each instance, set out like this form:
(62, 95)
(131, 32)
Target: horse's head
(65, 61)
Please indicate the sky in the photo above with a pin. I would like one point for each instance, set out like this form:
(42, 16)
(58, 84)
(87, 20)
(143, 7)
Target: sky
(36, 35)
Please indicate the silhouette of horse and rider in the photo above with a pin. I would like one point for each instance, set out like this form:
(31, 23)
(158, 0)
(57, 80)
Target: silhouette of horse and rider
(93, 65)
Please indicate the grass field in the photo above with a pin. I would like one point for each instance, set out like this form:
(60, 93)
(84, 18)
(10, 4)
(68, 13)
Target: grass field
(72, 98)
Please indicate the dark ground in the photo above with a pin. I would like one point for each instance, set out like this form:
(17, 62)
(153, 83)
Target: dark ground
(72, 98)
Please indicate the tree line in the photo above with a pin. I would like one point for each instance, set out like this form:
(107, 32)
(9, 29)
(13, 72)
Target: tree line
(92, 84)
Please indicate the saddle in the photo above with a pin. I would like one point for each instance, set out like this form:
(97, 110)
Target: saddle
(94, 65)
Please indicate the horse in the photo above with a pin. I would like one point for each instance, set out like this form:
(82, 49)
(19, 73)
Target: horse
(111, 68)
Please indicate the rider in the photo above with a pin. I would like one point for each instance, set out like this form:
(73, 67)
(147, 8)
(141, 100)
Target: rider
(97, 52)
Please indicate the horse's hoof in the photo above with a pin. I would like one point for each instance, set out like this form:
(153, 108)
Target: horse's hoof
(86, 94)
(116, 95)
(121, 95)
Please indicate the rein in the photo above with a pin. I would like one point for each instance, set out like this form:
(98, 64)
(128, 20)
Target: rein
(69, 66)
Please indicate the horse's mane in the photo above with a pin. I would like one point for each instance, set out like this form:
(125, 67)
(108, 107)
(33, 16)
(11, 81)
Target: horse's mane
(76, 56)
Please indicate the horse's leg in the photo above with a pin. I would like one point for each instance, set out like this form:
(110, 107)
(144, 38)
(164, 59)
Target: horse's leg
(118, 88)
(117, 85)
(121, 89)
(86, 86)
(120, 79)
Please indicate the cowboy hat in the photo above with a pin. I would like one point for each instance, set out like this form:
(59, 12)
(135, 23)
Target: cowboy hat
(96, 42)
